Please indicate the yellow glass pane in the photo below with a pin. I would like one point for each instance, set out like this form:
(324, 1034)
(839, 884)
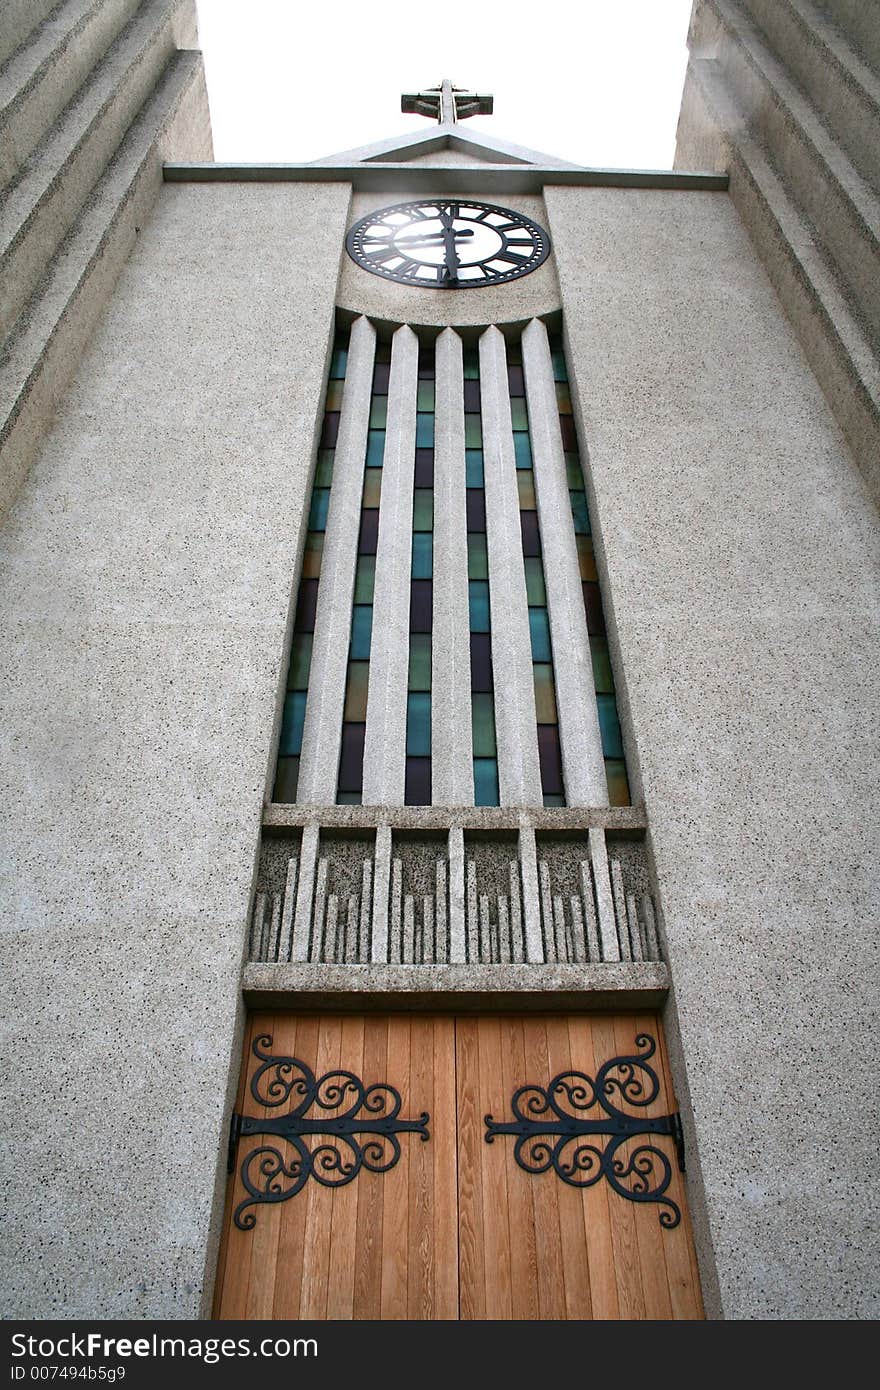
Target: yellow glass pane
(372, 487)
(314, 549)
(356, 692)
(586, 558)
(334, 395)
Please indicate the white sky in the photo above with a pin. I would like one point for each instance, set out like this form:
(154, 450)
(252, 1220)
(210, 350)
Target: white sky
(596, 82)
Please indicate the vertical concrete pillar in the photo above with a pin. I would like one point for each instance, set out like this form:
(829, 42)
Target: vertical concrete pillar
(457, 924)
(583, 764)
(305, 892)
(519, 773)
(531, 895)
(385, 739)
(381, 892)
(451, 744)
(322, 730)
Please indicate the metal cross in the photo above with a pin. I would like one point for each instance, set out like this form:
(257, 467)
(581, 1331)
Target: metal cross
(446, 104)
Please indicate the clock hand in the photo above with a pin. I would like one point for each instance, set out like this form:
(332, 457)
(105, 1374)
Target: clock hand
(429, 238)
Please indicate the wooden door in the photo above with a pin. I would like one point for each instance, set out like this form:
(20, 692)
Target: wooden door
(457, 1227)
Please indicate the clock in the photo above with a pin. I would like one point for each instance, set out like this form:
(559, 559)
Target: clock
(448, 244)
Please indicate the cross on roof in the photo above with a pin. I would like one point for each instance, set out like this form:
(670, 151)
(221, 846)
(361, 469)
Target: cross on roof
(446, 104)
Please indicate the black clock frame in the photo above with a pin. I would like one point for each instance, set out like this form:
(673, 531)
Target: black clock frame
(541, 244)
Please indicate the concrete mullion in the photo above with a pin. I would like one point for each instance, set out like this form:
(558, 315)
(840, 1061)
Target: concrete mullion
(451, 738)
(519, 773)
(385, 740)
(583, 763)
(322, 730)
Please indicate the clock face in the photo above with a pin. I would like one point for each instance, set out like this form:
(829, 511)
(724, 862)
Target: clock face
(451, 245)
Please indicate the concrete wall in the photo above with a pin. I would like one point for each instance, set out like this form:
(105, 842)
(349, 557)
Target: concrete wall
(145, 579)
(740, 549)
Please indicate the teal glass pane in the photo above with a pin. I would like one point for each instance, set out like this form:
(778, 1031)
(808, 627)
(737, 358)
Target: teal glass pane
(483, 716)
(365, 579)
(523, 449)
(286, 778)
(338, 363)
(554, 799)
(375, 448)
(478, 559)
(300, 662)
(519, 416)
(573, 471)
(618, 785)
(361, 632)
(418, 725)
(425, 396)
(422, 555)
(419, 661)
(539, 628)
(472, 365)
(560, 371)
(378, 412)
(473, 432)
(349, 799)
(290, 743)
(318, 509)
(423, 509)
(473, 467)
(580, 513)
(424, 431)
(324, 467)
(612, 743)
(478, 596)
(603, 678)
(535, 590)
(485, 782)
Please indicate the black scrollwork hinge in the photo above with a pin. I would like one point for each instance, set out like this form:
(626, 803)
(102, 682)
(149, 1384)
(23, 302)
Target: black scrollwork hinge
(372, 1110)
(549, 1125)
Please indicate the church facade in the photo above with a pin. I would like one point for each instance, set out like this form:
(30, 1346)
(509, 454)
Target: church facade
(440, 739)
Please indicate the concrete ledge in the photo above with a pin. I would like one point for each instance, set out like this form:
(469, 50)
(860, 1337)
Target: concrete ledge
(457, 988)
(621, 819)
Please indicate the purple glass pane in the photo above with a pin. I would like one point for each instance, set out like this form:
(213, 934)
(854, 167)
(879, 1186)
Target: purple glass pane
(306, 605)
(531, 539)
(517, 384)
(418, 782)
(593, 605)
(369, 536)
(330, 430)
(381, 375)
(351, 759)
(481, 662)
(569, 437)
(476, 509)
(550, 755)
(421, 605)
(424, 476)
(472, 396)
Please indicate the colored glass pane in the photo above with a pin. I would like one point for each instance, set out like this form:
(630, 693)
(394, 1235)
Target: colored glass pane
(535, 590)
(531, 538)
(361, 632)
(560, 371)
(324, 467)
(609, 725)
(356, 691)
(539, 630)
(314, 550)
(383, 352)
(478, 560)
(292, 721)
(473, 432)
(329, 430)
(307, 602)
(515, 381)
(618, 785)
(475, 504)
(369, 532)
(381, 377)
(426, 364)
(579, 512)
(525, 482)
(421, 605)
(349, 799)
(519, 416)
(300, 661)
(603, 677)
(483, 717)
(318, 509)
(569, 436)
(425, 395)
(351, 758)
(424, 431)
(365, 579)
(481, 661)
(472, 397)
(417, 783)
(545, 694)
(573, 471)
(372, 494)
(485, 782)
(375, 448)
(419, 661)
(563, 398)
(586, 557)
(418, 724)
(473, 467)
(471, 366)
(550, 758)
(286, 778)
(553, 799)
(338, 363)
(478, 599)
(423, 509)
(593, 606)
(514, 355)
(333, 400)
(522, 449)
(424, 474)
(378, 412)
(422, 555)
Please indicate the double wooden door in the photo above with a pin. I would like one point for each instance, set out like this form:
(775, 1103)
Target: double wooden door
(396, 1225)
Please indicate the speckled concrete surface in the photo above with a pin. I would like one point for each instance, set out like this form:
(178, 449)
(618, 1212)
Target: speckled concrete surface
(741, 550)
(145, 577)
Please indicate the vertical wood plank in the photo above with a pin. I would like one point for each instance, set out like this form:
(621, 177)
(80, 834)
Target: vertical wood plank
(520, 1207)
(367, 1253)
(630, 1293)
(472, 1253)
(420, 1273)
(344, 1200)
(316, 1242)
(595, 1199)
(395, 1228)
(494, 1161)
(289, 1273)
(265, 1235)
(545, 1189)
(682, 1270)
(443, 1129)
(570, 1201)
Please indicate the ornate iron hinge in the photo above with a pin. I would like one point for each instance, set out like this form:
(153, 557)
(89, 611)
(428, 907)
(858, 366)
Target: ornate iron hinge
(369, 1110)
(548, 1124)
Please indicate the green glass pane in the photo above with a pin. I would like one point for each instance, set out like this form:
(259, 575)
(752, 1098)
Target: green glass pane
(471, 365)
(425, 396)
(300, 661)
(324, 467)
(423, 509)
(318, 509)
(361, 632)
(519, 416)
(473, 467)
(286, 778)
(603, 678)
(537, 594)
(356, 692)
(314, 550)
(483, 716)
(478, 596)
(522, 449)
(349, 798)
(612, 744)
(573, 471)
(485, 782)
(478, 560)
(554, 799)
(372, 494)
(420, 661)
(473, 432)
(545, 694)
(334, 396)
(375, 448)
(424, 431)
(525, 482)
(290, 742)
(539, 628)
(618, 785)
(560, 371)
(337, 363)
(586, 558)
(579, 512)
(422, 555)
(563, 398)
(365, 579)
(418, 725)
(378, 412)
